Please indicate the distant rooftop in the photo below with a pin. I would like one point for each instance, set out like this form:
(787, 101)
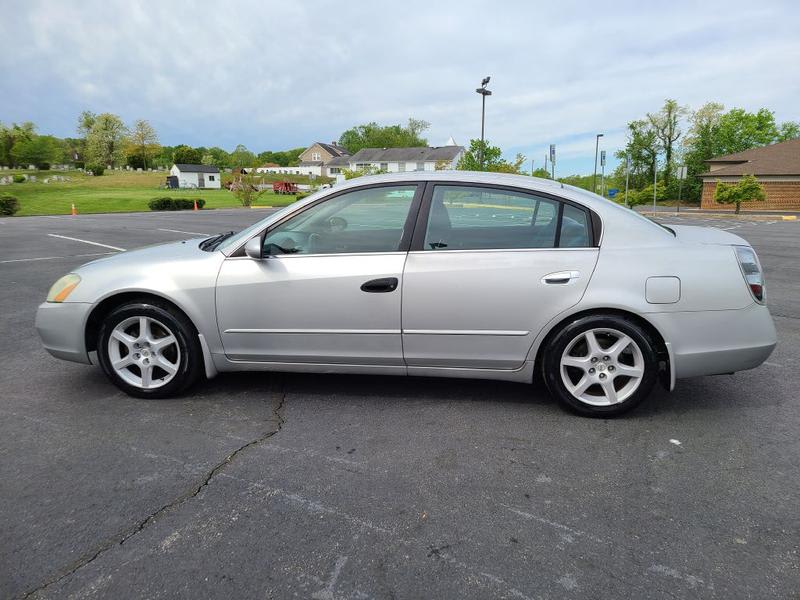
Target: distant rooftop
(197, 168)
(421, 154)
(776, 159)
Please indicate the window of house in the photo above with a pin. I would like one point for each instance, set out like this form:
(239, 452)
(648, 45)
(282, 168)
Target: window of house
(365, 220)
(401, 166)
(211, 178)
(335, 170)
(420, 166)
(384, 166)
(316, 156)
(475, 218)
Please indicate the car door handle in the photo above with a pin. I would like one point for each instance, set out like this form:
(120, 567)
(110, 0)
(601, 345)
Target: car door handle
(561, 277)
(382, 285)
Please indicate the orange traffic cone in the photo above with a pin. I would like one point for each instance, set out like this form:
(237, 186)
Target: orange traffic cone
(195, 204)
(74, 210)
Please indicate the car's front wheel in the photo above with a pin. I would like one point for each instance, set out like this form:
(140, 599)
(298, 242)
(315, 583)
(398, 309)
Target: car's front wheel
(149, 350)
(601, 365)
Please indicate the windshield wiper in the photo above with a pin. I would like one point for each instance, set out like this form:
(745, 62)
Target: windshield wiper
(211, 243)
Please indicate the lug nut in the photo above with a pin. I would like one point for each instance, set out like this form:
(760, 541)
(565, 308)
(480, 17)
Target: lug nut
(605, 358)
(147, 361)
(610, 367)
(591, 371)
(136, 356)
(602, 375)
(594, 359)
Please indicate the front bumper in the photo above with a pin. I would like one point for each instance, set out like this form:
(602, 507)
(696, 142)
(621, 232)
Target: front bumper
(717, 341)
(62, 328)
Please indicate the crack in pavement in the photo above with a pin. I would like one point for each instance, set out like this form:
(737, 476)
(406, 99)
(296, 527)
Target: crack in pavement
(124, 536)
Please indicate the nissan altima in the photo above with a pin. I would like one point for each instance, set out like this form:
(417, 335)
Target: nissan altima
(449, 274)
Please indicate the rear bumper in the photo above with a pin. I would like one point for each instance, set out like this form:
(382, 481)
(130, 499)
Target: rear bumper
(716, 342)
(61, 327)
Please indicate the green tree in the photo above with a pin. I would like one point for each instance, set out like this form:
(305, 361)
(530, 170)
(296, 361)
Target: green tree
(217, 156)
(242, 157)
(105, 143)
(372, 135)
(643, 148)
(39, 150)
(471, 159)
(541, 172)
(144, 142)
(9, 136)
(186, 155)
(745, 190)
(788, 131)
(247, 187)
(666, 127)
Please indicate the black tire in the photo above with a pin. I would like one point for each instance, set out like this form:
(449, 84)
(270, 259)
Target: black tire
(558, 343)
(190, 364)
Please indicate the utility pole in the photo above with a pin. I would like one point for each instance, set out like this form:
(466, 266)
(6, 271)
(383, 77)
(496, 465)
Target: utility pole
(553, 161)
(627, 174)
(483, 92)
(594, 177)
(603, 173)
(655, 182)
(681, 177)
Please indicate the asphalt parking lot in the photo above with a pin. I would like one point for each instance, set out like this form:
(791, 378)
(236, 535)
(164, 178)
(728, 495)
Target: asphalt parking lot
(327, 487)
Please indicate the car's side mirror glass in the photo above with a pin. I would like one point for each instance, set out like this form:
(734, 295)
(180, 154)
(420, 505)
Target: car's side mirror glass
(254, 249)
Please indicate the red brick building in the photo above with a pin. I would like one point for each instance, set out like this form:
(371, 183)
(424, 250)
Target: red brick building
(777, 168)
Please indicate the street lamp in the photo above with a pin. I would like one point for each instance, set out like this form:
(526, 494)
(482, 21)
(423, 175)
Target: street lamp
(483, 92)
(594, 177)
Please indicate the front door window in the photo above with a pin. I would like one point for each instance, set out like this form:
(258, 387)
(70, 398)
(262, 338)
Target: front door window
(366, 220)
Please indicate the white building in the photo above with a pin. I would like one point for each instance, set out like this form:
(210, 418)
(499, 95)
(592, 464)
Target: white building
(394, 160)
(313, 161)
(196, 176)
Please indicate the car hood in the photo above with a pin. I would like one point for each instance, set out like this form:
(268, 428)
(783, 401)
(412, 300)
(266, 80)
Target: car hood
(157, 253)
(706, 235)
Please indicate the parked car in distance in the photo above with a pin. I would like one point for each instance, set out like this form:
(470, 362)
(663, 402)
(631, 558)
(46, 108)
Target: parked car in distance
(451, 274)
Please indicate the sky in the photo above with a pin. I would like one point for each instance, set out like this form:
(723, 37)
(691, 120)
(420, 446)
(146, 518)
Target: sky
(276, 75)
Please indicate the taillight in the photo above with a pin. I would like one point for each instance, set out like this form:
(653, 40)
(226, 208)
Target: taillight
(751, 269)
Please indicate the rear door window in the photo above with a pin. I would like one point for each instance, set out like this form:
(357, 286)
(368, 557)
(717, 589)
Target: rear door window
(476, 218)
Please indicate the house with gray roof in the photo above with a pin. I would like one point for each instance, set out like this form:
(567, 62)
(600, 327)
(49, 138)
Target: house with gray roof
(394, 160)
(194, 176)
(313, 161)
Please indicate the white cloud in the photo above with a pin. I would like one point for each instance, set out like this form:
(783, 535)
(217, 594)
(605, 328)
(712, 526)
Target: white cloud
(278, 74)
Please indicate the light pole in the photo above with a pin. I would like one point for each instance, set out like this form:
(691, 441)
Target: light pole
(596, 146)
(483, 92)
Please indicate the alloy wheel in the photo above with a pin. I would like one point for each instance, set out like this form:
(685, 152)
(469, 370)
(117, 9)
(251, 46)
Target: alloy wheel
(144, 352)
(602, 367)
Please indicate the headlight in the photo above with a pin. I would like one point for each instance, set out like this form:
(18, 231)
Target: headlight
(63, 288)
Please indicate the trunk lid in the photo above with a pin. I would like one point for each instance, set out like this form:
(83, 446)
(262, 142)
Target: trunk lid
(693, 234)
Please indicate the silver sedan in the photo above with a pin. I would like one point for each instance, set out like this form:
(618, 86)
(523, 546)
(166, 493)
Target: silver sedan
(447, 274)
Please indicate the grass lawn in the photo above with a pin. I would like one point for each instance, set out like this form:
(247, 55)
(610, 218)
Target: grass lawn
(116, 191)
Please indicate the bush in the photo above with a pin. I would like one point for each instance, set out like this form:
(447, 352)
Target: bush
(167, 203)
(96, 170)
(45, 166)
(747, 189)
(8, 205)
(645, 196)
(302, 195)
(79, 164)
(20, 179)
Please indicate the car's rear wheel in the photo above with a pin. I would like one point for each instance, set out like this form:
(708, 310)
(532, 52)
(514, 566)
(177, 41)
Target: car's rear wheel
(149, 350)
(601, 365)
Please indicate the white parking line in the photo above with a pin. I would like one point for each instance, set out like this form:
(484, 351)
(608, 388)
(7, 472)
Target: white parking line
(186, 232)
(15, 260)
(64, 237)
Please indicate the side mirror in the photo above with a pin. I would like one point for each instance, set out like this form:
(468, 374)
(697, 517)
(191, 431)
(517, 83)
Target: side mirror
(254, 248)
